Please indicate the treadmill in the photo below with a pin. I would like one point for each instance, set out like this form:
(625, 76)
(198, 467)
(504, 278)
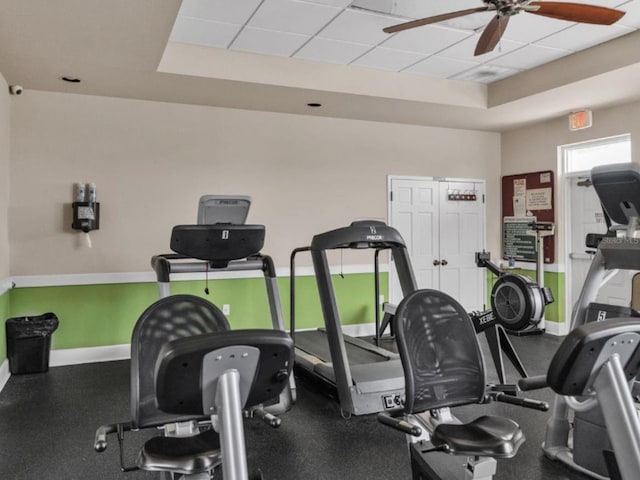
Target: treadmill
(221, 241)
(368, 379)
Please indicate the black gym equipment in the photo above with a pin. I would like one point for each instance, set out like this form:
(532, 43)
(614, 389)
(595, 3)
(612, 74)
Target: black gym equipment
(517, 304)
(173, 337)
(585, 440)
(443, 368)
(222, 242)
(594, 367)
(516, 300)
(368, 378)
(193, 377)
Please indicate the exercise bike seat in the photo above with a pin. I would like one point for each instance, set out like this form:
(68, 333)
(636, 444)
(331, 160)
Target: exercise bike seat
(181, 455)
(487, 436)
(443, 367)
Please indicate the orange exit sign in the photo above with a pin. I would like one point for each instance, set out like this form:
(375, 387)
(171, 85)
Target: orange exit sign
(580, 120)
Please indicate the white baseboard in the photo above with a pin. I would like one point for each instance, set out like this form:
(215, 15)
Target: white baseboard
(556, 328)
(360, 330)
(75, 356)
(4, 373)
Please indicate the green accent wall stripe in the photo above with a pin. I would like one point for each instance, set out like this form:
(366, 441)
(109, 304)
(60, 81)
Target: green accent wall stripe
(101, 315)
(4, 314)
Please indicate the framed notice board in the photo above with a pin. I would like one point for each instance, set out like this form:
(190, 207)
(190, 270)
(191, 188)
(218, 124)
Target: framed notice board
(527, 195)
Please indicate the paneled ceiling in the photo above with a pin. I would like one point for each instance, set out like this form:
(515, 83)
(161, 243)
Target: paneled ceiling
(281, 55)
(350, 32)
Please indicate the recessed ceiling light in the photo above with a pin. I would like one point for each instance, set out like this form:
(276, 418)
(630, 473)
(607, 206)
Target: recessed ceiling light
(314, 105)
(71, 79)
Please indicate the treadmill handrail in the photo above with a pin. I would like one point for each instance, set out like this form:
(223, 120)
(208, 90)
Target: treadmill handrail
(164, 267)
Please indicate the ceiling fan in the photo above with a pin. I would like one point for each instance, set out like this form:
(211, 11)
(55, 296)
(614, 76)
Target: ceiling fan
(572, 12)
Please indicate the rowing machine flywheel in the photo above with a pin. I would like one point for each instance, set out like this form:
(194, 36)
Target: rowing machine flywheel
(517, 302)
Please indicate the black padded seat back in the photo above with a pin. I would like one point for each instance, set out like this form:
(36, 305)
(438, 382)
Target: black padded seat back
(171, 318)
(180, 371)
(441, 358)
(586, 347)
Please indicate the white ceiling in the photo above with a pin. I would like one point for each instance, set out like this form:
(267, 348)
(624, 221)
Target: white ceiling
(121, 49)
(335, 31)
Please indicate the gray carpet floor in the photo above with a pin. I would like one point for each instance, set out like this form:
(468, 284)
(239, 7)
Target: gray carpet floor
(48, 422)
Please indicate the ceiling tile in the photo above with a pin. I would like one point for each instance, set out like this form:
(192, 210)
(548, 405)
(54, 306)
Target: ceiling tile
(436, 66)
(357, 27)
(632, 15)
(529, 56)
(407, 9)
(464, 50)
(603, 3)
(203, 32)
(334, 31)
(388, 59)
(226, 11)
(333, 51)
(485, 74)
(528, 28)
(293, 17)
(428, 39)
(581, 36)
(335, 3)
(268, 41)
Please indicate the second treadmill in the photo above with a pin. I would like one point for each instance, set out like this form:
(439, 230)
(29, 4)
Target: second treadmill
(369, 379)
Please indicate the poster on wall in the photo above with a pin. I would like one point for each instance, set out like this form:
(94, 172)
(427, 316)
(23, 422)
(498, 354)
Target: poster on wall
(518, 242)
(526, 198)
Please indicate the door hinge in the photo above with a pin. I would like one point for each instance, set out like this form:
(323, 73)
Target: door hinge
(391, 196)
(483, 198)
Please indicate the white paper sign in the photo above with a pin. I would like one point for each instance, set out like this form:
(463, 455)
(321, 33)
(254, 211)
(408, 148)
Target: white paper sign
(539, 199)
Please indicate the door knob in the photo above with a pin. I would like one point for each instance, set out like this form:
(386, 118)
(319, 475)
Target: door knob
(444, 262)
(436, 263)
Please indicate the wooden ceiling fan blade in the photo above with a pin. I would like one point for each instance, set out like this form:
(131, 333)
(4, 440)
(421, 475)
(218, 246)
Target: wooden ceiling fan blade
(492, 34)
(576, 12)
(435, 19)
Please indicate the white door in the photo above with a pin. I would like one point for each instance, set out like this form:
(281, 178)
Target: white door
(461, 236)
(585, 216)
(414, 213)
(442, 235)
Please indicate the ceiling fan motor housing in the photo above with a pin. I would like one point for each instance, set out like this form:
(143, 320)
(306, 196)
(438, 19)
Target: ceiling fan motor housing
(518, 302)
(506, 7)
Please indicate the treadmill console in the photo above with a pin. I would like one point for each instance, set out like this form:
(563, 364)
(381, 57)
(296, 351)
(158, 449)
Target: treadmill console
(223, 209)
(359, 235)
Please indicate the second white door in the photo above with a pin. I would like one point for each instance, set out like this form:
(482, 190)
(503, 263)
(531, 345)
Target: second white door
(442, 223)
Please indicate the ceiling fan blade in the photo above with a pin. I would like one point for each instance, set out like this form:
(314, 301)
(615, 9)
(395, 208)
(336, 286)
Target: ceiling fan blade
(435, 19)
(492, 34)
(576, 12)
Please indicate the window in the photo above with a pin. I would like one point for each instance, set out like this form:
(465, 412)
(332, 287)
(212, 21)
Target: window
(581, 157)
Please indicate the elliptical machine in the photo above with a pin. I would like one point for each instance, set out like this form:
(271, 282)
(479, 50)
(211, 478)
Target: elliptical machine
(598, 446)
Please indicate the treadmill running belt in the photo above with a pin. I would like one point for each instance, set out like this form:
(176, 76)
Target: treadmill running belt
(315, 342)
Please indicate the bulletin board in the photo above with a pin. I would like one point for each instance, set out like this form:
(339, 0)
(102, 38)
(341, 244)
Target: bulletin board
(527, 195)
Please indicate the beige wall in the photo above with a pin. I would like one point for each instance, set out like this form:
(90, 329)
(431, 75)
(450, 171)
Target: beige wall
(535, 148)
(4, 177)
(151, 162)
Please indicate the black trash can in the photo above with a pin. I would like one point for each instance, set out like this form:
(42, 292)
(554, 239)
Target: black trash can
(29, 342)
